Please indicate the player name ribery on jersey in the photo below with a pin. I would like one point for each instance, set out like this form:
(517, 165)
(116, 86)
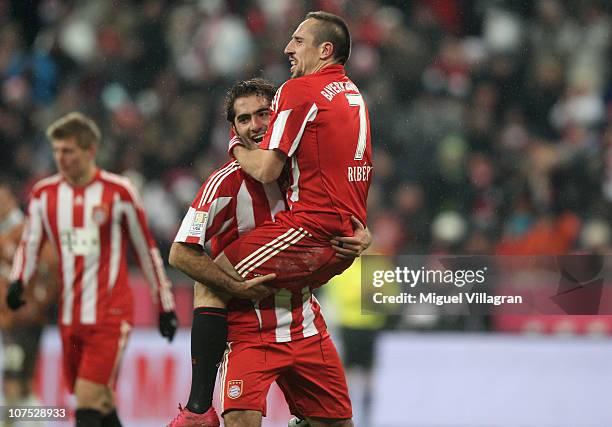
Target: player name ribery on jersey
(359, 173)
(439, 300)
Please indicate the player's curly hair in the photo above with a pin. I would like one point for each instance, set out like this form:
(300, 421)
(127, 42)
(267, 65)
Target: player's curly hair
(244, 88)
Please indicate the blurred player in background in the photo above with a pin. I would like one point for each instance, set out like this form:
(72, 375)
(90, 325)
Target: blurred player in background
(289, 322)
(89, 216)
(21, 331)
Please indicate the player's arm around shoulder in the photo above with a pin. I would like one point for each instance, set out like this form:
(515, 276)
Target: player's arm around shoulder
(292, 107)
(263, 165)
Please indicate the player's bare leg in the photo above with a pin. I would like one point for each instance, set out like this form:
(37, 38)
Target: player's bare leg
(203, 296)
(322, 422)
(94, 403)
(93, 395)
(242, 419)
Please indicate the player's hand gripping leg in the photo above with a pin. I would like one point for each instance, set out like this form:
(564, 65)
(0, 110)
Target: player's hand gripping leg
(253, 289)
(242, 419)
(350, 247)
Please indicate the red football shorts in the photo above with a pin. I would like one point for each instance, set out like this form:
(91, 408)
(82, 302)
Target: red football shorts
(93, 352)
(297, 258)
(308, 371)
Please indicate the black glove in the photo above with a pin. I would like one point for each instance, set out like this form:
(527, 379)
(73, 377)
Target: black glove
(14, 295)
(168, 324)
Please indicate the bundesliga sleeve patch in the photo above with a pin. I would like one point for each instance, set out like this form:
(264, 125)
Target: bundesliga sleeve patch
(199, 224)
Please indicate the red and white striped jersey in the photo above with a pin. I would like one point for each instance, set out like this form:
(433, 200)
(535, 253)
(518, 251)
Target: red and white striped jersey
(229, 204)
(320, 121)
(90, 228)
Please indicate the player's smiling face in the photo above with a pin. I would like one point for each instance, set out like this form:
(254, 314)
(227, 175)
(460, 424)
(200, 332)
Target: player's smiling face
(252, 118)
(304, 55)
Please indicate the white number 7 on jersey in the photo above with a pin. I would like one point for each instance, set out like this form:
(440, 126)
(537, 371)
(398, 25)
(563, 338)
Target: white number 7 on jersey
(355, 100)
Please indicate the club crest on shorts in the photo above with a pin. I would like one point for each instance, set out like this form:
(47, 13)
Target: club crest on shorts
(234, 389)
(99, 214)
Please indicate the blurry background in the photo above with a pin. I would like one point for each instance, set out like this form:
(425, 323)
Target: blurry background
(490, 125)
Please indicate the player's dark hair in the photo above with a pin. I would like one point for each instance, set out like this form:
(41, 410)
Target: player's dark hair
(75, 125)
(245, 88)
(333, 29)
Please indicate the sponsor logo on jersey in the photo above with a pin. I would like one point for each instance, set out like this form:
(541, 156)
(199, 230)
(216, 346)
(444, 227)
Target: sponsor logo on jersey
(234, 389)
(80, 240)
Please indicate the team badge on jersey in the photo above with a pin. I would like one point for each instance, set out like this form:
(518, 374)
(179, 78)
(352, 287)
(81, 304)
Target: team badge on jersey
(99, 214)
(199, 224)
(234, 389)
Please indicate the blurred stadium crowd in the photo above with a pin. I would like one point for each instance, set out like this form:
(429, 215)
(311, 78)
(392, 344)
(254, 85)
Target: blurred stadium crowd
(490, 119)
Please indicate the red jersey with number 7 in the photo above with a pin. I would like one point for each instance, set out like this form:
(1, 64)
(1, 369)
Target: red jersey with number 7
(320, 121)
